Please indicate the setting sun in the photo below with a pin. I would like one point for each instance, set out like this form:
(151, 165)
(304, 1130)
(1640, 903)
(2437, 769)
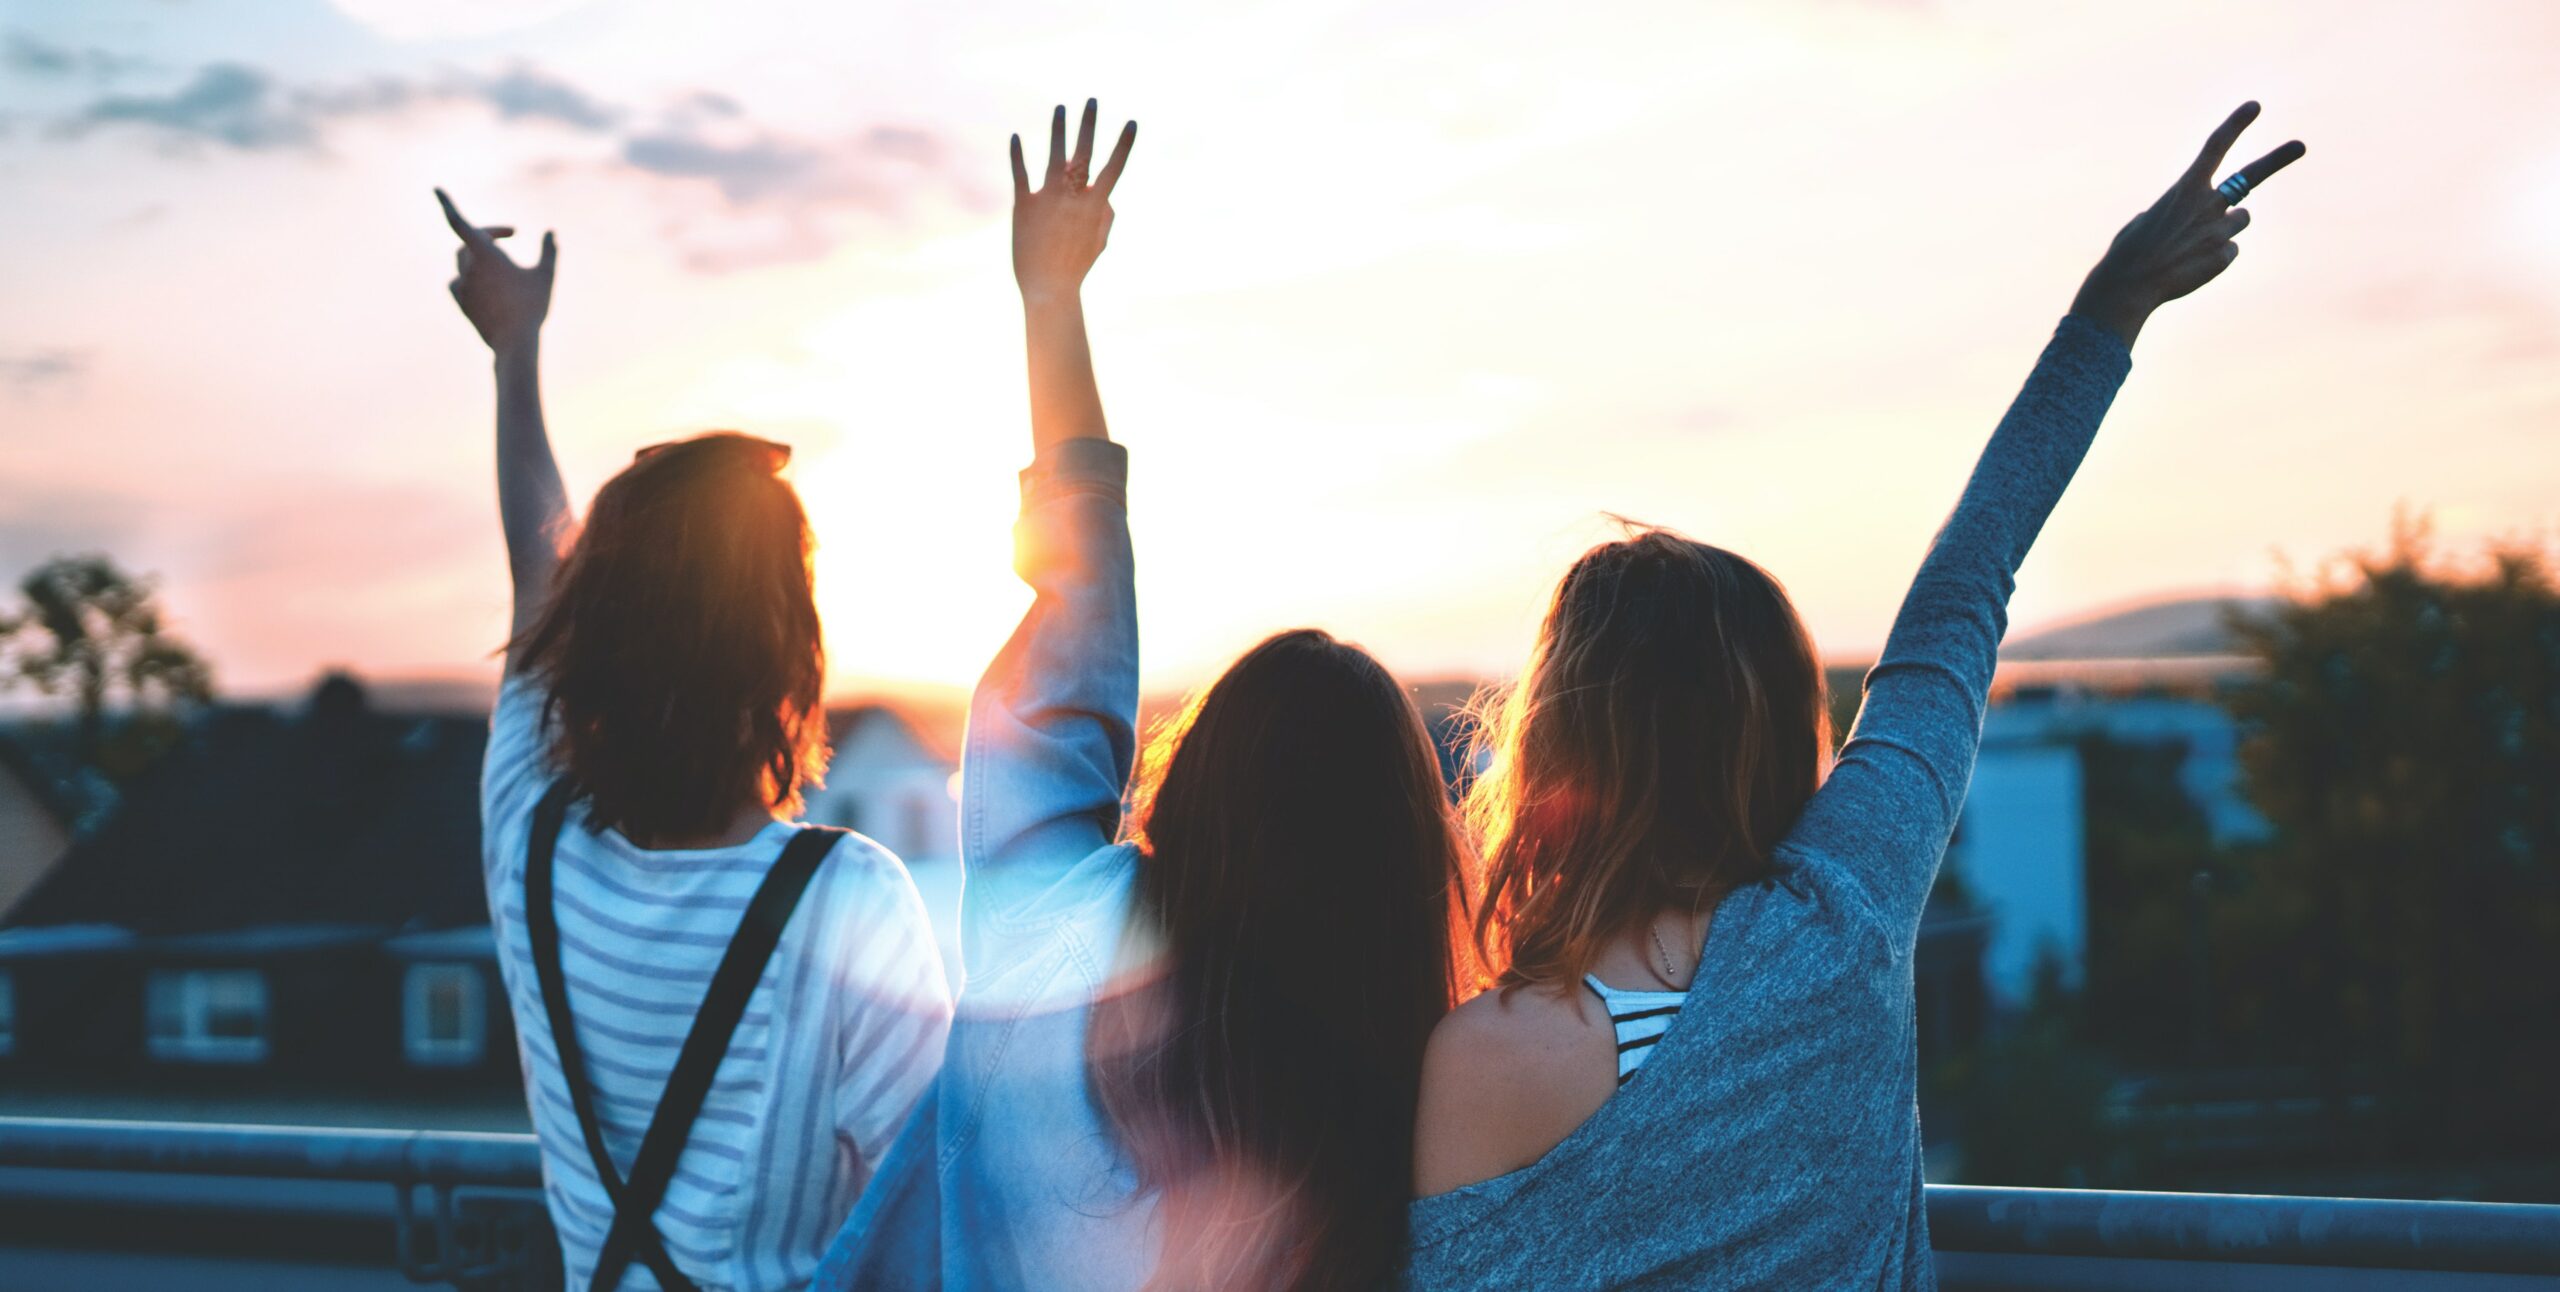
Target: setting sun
(1387, 347)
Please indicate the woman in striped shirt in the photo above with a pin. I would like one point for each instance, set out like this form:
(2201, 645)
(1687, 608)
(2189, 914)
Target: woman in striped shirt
(664, 672)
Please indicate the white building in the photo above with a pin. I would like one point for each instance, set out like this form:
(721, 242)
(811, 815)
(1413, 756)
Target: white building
(2018, 855)
(2019, 850)
(896, 778)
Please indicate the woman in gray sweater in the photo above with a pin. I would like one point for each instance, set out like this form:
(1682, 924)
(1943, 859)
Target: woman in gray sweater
(1699, 1068)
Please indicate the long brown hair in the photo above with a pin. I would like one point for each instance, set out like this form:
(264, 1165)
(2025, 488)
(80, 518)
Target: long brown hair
(1666, 734)
(1302, 868)
(680, 644)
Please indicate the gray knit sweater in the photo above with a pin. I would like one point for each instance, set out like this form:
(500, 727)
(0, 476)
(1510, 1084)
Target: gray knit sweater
(1774, 1137)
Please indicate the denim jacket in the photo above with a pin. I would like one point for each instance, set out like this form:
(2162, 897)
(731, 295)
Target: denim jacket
(1007, 1177)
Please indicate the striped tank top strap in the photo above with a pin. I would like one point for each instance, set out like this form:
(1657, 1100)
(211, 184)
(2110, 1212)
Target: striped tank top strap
(1638, 1017)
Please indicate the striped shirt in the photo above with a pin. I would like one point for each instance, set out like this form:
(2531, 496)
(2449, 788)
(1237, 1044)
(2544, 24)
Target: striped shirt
(1639, 1018)
(837, 1043)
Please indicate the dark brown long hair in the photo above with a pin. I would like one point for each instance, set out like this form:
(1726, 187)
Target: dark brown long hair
(1302, 867)
(1667, 733)
(680, 644)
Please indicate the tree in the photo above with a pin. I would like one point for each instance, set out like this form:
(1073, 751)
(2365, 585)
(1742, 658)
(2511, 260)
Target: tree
(2151, 867)
(92, 634)
(2405, 740)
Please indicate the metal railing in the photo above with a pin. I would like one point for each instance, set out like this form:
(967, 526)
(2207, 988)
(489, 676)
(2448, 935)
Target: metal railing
(2369, 1233)
(489, 1240)
(2053, 1231)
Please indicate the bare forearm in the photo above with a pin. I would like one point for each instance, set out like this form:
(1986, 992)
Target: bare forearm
(1065, 403)
(533, 506)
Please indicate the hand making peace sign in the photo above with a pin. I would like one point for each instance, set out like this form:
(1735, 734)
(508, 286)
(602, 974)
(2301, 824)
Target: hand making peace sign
(2184, 240)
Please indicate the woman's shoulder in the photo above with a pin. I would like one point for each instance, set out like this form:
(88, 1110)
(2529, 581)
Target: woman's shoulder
(1506, 1077)
(865, 859)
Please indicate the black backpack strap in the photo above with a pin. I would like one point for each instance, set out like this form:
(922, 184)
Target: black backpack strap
(741, 966)
(634, 1234)
(542, 929)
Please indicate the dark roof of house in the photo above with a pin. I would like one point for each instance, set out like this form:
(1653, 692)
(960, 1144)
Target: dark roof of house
(330, 813)
(42, 757)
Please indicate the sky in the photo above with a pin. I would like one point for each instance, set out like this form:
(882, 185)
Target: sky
(1403, 301)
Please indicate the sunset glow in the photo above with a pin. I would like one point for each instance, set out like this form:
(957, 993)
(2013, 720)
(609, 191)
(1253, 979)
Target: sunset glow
(1397, 307)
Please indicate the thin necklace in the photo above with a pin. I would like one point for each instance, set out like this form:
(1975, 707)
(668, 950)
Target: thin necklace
(1670, 975)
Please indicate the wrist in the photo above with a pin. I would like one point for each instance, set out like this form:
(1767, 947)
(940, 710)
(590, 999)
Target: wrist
(2120, 317)
(517, 353)
(1050, 296)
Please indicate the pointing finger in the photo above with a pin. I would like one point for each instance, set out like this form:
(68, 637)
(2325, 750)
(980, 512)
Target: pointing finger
(1021, 177)
(461, 228)
(1057, 142)
(2218, 144)
(1119, 157)
(550, 253)
(495, 231)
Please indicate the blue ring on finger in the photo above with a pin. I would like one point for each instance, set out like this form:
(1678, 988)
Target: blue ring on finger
(2234, 188)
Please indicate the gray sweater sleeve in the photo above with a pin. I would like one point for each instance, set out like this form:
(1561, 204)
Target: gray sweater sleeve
(1887, 812)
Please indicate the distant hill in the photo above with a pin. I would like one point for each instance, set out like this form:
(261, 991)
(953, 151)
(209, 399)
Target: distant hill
(2182, 628)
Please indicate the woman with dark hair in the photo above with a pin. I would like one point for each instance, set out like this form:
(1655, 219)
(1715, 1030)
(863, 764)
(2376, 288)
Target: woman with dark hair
(723, 1018)
(1698, 1069)
(1185, 1057)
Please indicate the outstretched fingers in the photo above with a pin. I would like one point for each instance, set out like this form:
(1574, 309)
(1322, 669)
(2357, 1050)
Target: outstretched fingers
(462, 228)
(2218, 144)
(2257, 171)
(1080, 165)
(1110, 175)
(1057, 145)
(1021, 177)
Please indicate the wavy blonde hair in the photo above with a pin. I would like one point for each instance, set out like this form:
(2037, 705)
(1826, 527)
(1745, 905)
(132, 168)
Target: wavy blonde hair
(1666, 734)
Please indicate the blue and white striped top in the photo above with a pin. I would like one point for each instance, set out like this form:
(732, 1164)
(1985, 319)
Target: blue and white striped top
(838, 1041)
(1638, 1017)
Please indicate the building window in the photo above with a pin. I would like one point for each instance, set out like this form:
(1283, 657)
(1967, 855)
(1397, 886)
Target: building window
(208, 1015)
(445, 1015)
(8, 1015)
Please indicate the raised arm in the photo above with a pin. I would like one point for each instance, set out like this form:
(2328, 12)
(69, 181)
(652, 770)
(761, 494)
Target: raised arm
(506, 303)
(1058, 232)
(1053, 725)
(1890, 805)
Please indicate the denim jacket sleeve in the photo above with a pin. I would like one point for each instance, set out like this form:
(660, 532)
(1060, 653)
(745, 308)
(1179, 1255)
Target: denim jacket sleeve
(1053, 724)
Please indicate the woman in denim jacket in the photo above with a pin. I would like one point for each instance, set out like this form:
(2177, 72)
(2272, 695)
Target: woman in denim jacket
(1186, 1056)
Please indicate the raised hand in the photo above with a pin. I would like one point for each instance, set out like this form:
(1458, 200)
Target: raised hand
(2184, 240)
(1059, 230)
(505, 301)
